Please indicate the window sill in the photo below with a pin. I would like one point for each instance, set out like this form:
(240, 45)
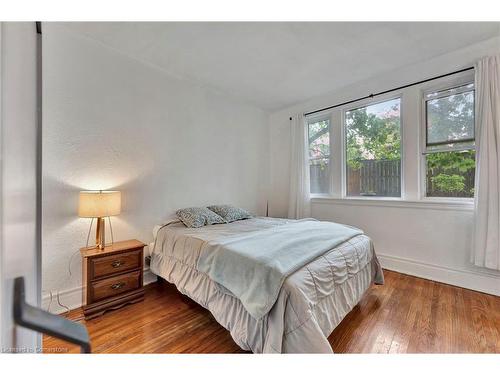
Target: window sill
(438, 204)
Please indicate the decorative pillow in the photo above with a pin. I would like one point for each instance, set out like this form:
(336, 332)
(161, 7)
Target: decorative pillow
(196, 217)
(230, 213)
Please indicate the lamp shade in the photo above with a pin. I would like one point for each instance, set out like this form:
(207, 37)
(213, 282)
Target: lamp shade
(99, 203)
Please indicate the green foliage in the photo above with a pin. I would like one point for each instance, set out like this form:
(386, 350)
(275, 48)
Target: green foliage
(451, 160)
(448, 169)
(451, 117)
(449, 183)
(372, 136)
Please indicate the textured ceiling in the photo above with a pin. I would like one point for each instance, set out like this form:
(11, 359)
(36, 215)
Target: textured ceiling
(274, 65)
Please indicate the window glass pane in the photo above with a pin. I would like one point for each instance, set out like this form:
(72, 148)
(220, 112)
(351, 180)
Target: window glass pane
(450, 174)
(373, 150)
(450, 116)
(319, 156)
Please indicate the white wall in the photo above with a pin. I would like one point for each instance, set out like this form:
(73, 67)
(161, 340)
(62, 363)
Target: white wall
(426, 240)
(112, 122)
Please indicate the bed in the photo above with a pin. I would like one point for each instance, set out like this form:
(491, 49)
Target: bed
(311, 301)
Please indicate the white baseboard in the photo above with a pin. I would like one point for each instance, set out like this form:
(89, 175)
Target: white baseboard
(72, 298)
(469, 279)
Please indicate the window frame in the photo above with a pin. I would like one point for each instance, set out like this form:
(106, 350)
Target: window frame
(362, 104)
(440, 85)
(413, 168)
(311, 120)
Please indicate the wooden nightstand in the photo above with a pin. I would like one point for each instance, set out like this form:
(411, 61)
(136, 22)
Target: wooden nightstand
(112, 277)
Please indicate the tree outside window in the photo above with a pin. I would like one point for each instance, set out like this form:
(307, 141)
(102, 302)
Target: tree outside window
(373, 150)
(450, 154)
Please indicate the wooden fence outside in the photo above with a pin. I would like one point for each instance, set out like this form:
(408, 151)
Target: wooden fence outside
(375, 178)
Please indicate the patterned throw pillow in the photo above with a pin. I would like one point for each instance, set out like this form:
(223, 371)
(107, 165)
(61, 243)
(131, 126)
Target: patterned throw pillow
(196, 217)
(230, 213)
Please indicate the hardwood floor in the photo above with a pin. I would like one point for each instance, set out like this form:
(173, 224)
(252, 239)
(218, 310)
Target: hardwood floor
(406, 315)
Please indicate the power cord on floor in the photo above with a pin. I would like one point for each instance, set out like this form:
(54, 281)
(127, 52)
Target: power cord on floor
(58, 300)
(50, 302)
(62, 305)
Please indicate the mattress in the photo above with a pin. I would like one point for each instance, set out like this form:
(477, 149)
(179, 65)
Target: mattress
(311, 303)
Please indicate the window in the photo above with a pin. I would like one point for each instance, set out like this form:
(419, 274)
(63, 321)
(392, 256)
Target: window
(373, 150)
(365, 156)
(450, 148)
(319, 155)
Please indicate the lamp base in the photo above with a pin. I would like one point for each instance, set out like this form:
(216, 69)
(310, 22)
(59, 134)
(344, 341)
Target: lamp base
(100, 241)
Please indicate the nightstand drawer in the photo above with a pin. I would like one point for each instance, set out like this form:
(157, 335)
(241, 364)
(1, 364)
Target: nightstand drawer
(115, 285)
(112, 277)
(112, 264)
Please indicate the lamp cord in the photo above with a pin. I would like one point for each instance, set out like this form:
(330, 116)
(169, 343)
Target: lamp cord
(50, 302)
(61, 304)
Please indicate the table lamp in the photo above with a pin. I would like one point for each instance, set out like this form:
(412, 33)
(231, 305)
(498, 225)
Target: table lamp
(99, 204)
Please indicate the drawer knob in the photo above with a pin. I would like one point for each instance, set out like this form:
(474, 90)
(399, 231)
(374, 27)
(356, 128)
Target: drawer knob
(116, 263)
(118, 285)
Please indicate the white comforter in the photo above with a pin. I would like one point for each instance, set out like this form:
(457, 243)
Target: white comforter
(312, 300)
